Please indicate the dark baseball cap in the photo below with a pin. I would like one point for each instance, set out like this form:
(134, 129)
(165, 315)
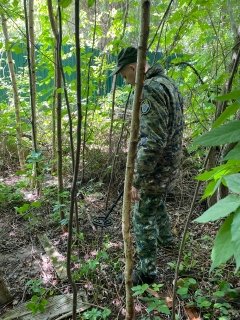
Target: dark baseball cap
(125, 57)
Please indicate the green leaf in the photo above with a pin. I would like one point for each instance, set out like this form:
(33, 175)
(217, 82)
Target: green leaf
(229, 111)
(60, 90)
(233, 182)
(235, 232)
(206, 303)
(65, 3)
(24, 208)
(182, 291)
(234, 154)
(223, 248)
(36, 204)
(227, 133)
(69, 70)
(229, 96)
(221, 209)
(217, 172)
(140, 289)
(90, 3)
(211, 188)
(192, 281)
(106, 312)
(156, 287)
(163, 309)
(219, 294)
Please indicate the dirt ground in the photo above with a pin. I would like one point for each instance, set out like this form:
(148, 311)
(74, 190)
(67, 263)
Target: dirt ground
(22, 257)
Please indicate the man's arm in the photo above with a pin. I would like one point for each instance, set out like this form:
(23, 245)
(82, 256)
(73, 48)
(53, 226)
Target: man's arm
(153, 131)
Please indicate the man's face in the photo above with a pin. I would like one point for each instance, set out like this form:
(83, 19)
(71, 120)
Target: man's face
(129, 73)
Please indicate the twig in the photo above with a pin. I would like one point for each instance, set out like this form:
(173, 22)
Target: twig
(117, 149)
(184, 240)
(160, 23)
(192, 67)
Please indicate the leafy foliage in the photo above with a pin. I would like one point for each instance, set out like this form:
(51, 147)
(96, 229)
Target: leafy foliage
(38, 302)
(9, 196)
(153, 303)
(227, 240)
(197, 60)
(95, 314)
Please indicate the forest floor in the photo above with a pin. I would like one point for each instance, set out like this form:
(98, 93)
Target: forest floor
(98, 260)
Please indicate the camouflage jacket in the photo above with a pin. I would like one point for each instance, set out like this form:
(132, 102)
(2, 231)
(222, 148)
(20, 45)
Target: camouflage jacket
(161, 129)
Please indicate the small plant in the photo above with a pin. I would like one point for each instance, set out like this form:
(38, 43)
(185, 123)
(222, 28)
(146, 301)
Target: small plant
(27, 210)
(153, 303)
(9, 196)
(38, 302)
(64, 206)
(212, 305)
(186, 264)
(90, 266)
(185, 285)
(96, 314)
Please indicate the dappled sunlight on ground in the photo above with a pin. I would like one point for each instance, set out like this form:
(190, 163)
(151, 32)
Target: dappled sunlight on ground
(47, 271)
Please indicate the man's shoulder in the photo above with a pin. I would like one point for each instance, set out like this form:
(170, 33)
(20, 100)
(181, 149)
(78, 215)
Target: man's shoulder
(153, 83)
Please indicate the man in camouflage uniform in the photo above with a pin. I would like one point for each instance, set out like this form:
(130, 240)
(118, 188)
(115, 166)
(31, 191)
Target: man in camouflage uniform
(157, 161)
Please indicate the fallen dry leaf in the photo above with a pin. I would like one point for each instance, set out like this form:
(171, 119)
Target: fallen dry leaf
(153, 293)
(192, 313)
(167, 299)
(169, 302)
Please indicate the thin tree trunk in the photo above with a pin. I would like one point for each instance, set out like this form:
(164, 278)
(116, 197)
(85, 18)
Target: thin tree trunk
(112, 114)
(126, 225)
(55, 33)
(33, 73)
(54, 96)
(161, 23)
(59, 115)
(29, 23)
(77, 161)
(15, 94)
(116, 152)
(88, 88)
(125, 19)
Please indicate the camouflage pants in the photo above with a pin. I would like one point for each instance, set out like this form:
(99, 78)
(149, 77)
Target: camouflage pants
(151, 227)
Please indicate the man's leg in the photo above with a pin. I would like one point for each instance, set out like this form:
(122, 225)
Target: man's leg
(145, 229)
(164, 228)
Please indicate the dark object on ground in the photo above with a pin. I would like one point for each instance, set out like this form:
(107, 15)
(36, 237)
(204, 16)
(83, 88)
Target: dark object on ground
(105, 221)
(138, 278)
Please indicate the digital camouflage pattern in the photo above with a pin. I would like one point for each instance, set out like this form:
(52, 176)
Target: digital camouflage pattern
(157, 164)
(161, 128)
(151, 227)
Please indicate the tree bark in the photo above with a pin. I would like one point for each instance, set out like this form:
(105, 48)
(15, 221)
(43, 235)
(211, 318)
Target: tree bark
(15, 93)
(33, 73)
(54, 109)
(117, 150)
(54, 140)
(126, 225)
(30, 39)
(59, 115)
(88, 89)
(77, 159)
(112, 115)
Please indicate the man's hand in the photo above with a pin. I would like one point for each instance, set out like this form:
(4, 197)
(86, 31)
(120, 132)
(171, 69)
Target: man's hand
(135, 194)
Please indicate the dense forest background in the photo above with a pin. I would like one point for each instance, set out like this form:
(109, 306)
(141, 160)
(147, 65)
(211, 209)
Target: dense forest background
(64, 132)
